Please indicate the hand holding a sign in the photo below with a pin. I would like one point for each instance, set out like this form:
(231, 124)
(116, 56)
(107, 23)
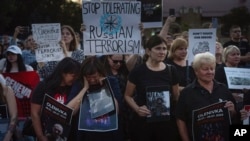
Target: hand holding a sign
(244, 114)
(18, 30)
(170, 19)
(63, 46)
(83, 27)
(143, 111)
(165, 28)
(230, 106)
(141, 27)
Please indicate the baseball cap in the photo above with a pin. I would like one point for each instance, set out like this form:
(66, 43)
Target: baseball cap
(14, 49)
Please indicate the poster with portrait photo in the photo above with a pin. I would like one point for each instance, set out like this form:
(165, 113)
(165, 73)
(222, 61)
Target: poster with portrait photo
(158, 102)
(210, 122)
(56, 118)
(200, 41)
(101, 100)
(105, 116)
(151, 15)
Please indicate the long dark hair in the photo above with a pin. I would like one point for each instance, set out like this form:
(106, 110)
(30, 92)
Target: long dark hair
(20, 64)
(67, 65)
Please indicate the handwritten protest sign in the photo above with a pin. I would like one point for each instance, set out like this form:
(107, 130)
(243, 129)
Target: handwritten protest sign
(238, 78)
(47, 36)
(151, 15)
(112, 27)
(199, 41)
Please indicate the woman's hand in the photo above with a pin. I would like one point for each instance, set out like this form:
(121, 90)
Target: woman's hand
(63, 46)
(18, 30)
(101, 80)
(143, 111)
(171, 19)
(86, 83)
(244, 114)
(230, 106)
(83, 27)
(8, 136)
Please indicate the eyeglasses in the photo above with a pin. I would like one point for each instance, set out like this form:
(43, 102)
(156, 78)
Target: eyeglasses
(117, 61)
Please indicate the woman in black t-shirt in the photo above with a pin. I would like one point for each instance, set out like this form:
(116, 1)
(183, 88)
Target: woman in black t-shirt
(154, 73)
(58, 85)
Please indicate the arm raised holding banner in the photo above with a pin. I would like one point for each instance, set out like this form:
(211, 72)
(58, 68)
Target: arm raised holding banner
(164, 31)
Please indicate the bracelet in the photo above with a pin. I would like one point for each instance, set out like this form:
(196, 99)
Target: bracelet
(12, 128)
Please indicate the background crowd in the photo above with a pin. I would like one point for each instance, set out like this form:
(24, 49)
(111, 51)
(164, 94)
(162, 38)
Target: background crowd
(69, 80)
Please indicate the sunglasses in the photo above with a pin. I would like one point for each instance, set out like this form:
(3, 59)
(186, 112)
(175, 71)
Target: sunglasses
(117, 61)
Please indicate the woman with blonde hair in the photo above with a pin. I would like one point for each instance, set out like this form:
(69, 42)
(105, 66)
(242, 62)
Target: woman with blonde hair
(177, 57)
(202, 92)
(231, 58)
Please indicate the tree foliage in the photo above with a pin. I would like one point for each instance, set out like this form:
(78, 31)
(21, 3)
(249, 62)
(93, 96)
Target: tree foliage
(27, 12)
(237, 16)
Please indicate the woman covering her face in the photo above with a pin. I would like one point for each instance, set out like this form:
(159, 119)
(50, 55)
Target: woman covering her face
(91, 79)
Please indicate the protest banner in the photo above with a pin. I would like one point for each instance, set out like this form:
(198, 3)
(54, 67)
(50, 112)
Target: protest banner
(211, 122)
(22, 83)
(101, 100)
(158, 102)
(200, 41)
(112, 27)
(56, 115)
(98, 113)
(151, 15)
(237, 78)
(47, 37)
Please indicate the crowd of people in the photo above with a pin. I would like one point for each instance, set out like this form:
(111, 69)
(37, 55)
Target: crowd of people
(70, 80)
